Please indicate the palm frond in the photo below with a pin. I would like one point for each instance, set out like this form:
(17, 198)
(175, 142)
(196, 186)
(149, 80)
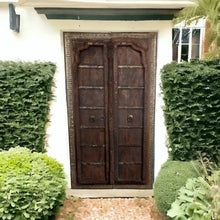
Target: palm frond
(210, 10)
(189, 15)
(203, 9)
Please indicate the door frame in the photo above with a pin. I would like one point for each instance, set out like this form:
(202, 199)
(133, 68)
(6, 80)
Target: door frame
(68, 36)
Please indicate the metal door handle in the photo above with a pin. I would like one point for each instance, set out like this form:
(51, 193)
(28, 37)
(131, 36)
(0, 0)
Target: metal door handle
(130, 118)
(92, 118)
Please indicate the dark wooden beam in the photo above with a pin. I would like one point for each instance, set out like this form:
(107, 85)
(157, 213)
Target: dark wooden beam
(108, 14)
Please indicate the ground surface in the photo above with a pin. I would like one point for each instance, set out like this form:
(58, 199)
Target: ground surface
(109, 209)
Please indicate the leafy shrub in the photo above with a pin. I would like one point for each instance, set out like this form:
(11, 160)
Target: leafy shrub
(192, 102)
(25, 92)
(200, 197)
(212, 176)
(193, 201)
(172, 176)
(215, 194)
(32, 185)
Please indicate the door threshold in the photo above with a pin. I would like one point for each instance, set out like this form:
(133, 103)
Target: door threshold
(110, 193)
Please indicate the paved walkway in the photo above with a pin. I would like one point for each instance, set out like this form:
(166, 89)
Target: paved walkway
(110, 209)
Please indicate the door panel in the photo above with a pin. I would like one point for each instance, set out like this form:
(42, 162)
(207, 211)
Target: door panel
(93, 55)
(92, 136)
(130, 136)
(92, 117)
(94, 154)
(127, 55)
(90, 76)
(111, 99)
(91, 96)
(93, 173)
(130, 154)
(130, 93)
(129, 173)
(126, 76)
(130, 117)
(131, 97)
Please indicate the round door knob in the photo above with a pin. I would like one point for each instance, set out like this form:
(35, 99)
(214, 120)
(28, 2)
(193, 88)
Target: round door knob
(130, 118)
(92, 118)
(102, 118)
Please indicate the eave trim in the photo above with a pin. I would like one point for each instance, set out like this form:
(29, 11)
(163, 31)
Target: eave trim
(107, 14)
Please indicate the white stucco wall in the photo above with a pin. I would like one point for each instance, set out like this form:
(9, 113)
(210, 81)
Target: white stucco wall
(41, 39)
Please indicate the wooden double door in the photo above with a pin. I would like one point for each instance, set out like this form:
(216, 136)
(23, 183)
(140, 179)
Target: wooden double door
(111, 111)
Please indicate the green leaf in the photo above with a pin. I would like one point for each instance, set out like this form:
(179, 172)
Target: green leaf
(175, 210)
(26, 215)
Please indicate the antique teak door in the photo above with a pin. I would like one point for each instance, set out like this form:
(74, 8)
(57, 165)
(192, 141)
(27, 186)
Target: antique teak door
(111, 109)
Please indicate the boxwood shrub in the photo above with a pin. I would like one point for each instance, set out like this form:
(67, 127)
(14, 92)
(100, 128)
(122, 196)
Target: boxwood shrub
(191, 94)
(25, 92)
(32, 185)
(172, 176)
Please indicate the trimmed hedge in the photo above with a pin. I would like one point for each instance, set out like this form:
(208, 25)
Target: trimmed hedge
(172, 176)
(192, 108)
(32, 185)
(25, 92)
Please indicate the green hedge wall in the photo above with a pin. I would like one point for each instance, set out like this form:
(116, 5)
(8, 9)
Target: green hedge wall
(192, 108)
(25, 92)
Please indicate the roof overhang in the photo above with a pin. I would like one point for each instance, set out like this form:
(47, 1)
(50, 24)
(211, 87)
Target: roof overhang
(106, 9)
(108, 14)
(109, 9)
